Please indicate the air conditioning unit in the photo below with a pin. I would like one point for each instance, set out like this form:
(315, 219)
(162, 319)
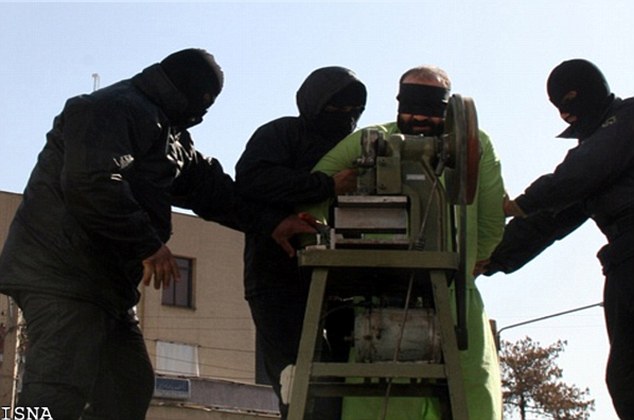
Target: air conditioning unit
(172, 388)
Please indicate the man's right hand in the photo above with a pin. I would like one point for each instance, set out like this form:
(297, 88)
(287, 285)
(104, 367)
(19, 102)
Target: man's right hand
(512, 209)
(345, 181)
(289, 227)
(162, 267)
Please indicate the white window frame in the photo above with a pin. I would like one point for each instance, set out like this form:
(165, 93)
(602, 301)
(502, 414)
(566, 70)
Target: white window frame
(177, 358)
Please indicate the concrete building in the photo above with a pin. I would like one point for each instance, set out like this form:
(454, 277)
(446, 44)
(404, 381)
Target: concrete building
(199, 332)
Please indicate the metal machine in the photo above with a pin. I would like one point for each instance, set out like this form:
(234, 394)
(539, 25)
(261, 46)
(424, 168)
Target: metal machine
(400, 236)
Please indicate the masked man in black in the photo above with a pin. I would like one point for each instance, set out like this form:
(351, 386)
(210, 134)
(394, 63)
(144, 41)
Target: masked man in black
(595, 180)
(93, 224)
(275, 169)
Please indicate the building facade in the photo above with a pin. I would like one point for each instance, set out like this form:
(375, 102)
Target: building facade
(198, 332)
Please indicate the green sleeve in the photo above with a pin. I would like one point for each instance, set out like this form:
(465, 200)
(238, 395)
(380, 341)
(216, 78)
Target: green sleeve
(486, 215)
(340, 157)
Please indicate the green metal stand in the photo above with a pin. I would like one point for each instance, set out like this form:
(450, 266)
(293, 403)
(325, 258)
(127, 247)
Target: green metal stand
(443, 380)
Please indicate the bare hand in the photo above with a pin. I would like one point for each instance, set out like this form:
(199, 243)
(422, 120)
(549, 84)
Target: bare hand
(512, 209)
(289, 227)
(481, 267)
(162, 267)
(345, 181)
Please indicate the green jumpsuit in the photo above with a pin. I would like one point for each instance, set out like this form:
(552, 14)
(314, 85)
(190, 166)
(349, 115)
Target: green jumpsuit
(485, 225)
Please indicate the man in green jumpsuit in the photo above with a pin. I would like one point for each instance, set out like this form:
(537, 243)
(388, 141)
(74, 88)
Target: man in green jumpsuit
(423, 96)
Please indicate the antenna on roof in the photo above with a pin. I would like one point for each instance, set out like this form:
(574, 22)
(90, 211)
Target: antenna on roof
(95, 81)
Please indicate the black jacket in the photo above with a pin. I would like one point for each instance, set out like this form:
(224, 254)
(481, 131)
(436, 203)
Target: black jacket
(595, 180)
(99, 198)
(275, 169)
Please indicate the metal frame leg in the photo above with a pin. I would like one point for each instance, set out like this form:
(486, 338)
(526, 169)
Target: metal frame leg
(449, 346)
(307, 343)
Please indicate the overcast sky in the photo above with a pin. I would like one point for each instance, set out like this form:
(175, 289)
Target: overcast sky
(497, 52)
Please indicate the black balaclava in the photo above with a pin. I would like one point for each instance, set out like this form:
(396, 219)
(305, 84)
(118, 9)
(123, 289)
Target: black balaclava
(421, 99)
(347, 106)
(592, 98)
(196, 75)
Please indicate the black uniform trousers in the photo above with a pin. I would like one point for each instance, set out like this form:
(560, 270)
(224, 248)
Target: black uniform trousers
(83, 361)
(278, 316)
(618, 298)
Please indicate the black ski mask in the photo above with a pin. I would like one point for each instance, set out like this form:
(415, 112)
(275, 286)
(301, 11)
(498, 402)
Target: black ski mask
(196, 75)
(590, 101)
(342, 112)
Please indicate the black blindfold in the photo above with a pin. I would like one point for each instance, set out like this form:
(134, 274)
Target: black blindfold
(430, 101)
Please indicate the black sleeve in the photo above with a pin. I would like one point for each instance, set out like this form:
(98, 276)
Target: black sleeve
(275, 167)
(98, 139)
(592, 166)
(209, 192)
(526, 238)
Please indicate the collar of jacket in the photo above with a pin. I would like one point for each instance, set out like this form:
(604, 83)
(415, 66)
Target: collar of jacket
(155, 84)
(572, 132)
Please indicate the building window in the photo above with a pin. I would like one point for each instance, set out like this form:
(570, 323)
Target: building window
(177, 358)
(179, 293)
